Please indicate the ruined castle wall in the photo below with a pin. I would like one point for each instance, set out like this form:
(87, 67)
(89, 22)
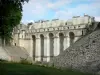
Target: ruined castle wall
(77, 26)
(84, 55)
(26, 43)
(3, 54)
(16, 39)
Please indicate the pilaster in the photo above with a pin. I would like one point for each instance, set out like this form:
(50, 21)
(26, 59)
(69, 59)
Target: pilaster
(38, 49)
(31, 47)
(56, 45)
(46, 48)
(66, 40)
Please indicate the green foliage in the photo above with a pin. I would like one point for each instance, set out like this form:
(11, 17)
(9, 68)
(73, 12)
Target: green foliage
(24, 61)
(2, 60)
(10, 16)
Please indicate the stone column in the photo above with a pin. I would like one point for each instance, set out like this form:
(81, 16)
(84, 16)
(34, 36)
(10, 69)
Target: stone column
(66, 44)
(56, 45)
(68, 41)
(46, 48)
(38, 48)
(31, 47)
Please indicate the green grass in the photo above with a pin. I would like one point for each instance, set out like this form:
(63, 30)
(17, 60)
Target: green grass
(22, 69)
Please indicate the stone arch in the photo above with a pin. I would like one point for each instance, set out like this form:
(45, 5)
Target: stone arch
(51, 36)
(42, 46)
(71, 36)
(34, 46)
(61, 41)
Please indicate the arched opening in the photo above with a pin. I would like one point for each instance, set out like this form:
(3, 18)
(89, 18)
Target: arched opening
(51, 36)
(42, 46)
(34, 46)
(61, 37)
(71, 36)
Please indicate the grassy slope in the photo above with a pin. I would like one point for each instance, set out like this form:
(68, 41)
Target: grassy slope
(20, 69)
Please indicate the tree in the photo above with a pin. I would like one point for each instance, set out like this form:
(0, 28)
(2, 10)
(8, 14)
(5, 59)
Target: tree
(10, 16)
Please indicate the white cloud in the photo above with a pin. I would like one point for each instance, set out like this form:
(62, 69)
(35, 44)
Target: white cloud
(39, 8)
(97, 18)
(58, 4)
(63, 14)
(35, 7)
(90, 9)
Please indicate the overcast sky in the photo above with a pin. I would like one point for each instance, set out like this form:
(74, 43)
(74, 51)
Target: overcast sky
(62, 9)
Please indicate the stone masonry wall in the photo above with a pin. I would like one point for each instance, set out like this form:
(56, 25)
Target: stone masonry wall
(84, 55)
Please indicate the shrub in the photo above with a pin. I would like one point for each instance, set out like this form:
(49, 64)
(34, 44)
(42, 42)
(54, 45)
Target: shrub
(2, 60)
(38, 63)
(25, 61)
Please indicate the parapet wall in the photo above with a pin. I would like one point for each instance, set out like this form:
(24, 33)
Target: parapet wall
(56, 22)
